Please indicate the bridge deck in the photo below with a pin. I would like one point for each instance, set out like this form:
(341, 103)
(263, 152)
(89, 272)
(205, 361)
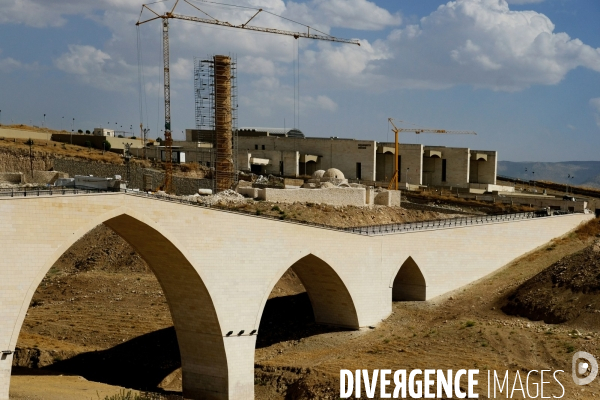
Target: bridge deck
(371, 230)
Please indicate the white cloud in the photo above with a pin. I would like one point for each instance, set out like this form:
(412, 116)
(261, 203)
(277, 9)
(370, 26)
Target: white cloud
(481, 43)
(271, 97)
(9, 64)
(474, 42)
(354, 14)
(257, 66)
(322, 102)
(183, 69)
(524, 1)
(43, 13)
(595, 103)
(96, 68)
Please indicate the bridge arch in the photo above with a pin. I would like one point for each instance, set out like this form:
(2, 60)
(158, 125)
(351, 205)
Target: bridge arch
(409, 283)
(329, 296)
(202, 349)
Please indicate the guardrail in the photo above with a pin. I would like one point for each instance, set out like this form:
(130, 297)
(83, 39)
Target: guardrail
(372, 230)
(444, 223)
(47, 192)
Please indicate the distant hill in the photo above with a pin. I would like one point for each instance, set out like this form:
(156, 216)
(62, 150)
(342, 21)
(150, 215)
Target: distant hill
(586, 173)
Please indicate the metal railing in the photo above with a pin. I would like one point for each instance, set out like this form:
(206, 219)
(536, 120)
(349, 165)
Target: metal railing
(373, 230)
(444, 223)
(48, 192)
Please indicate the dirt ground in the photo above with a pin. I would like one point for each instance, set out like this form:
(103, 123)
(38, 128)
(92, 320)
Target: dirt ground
(100, 314)
(60, 387)
(568, 290)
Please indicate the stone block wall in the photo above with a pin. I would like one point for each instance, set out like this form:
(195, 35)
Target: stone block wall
(388, 198)
(332, 196)
(141, 178)
(457, 167)
(483, 171)
(11, 177)
(343, 154)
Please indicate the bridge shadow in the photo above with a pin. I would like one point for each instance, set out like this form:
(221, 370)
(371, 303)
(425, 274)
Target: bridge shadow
(140, 363)
(289, 318)
(143, 362)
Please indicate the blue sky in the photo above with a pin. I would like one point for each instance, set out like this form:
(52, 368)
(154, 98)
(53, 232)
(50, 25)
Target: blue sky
(524, 74)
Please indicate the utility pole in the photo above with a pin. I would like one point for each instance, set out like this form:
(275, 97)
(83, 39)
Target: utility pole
(30, 143)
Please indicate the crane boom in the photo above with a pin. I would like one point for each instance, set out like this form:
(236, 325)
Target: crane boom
(394, 181)
(212, 21)
(296, 35)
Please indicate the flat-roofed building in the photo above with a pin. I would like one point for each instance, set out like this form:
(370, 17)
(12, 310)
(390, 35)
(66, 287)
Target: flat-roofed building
(288, 152)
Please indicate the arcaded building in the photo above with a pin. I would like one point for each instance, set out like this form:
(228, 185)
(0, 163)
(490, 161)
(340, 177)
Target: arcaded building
(289, 153)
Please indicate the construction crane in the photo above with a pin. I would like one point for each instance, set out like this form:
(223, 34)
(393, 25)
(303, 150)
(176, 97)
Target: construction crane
(168, 186)
(394, 182)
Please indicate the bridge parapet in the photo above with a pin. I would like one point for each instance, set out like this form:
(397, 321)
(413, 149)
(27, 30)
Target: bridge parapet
(370, 230)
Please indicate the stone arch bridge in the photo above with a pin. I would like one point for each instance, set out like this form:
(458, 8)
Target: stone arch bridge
(218, 268)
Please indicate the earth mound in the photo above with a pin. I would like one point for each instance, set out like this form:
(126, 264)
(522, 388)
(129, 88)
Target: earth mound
(568, 290)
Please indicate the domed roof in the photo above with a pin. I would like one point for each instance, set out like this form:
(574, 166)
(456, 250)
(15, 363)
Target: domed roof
(318, 174)
(334, 173)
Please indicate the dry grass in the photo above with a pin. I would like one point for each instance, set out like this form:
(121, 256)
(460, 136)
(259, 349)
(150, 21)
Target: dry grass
(49, 148)
(590, 229)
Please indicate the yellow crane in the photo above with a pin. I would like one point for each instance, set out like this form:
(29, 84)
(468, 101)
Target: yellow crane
(212, 21)
(394, 182)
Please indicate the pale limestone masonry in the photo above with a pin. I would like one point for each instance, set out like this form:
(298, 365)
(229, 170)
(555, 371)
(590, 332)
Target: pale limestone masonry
(217, 285)
(390, 198)
(349, 155)
(141, 178)
(334, 196)
(11, 177)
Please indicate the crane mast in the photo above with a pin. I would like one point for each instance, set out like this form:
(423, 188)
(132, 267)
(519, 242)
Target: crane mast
(394, 181)
(168, 184)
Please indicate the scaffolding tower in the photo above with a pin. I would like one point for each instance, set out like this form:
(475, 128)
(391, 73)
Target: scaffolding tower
(215, 92)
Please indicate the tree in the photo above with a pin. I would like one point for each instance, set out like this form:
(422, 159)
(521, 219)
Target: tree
(106, 145)
(87, 132)
(159, 140)
(79, 131)
(120, 136)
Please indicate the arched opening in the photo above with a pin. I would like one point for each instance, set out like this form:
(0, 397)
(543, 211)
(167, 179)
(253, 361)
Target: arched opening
(309, 298)
(409, 283)
(195, 343)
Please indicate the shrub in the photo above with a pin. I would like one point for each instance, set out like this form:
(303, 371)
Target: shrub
(107, 145)
(79, 131)
(469, 324)
(129, 395)
(88, 143)
(159, 140)
(120, 136)
(87, 132)
(133, 137)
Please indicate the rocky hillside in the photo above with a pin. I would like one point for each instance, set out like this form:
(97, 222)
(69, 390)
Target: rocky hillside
(585, 173)
(15, 156)
(568, 290)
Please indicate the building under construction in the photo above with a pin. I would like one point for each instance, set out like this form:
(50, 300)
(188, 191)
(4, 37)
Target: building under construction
(215, 89)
